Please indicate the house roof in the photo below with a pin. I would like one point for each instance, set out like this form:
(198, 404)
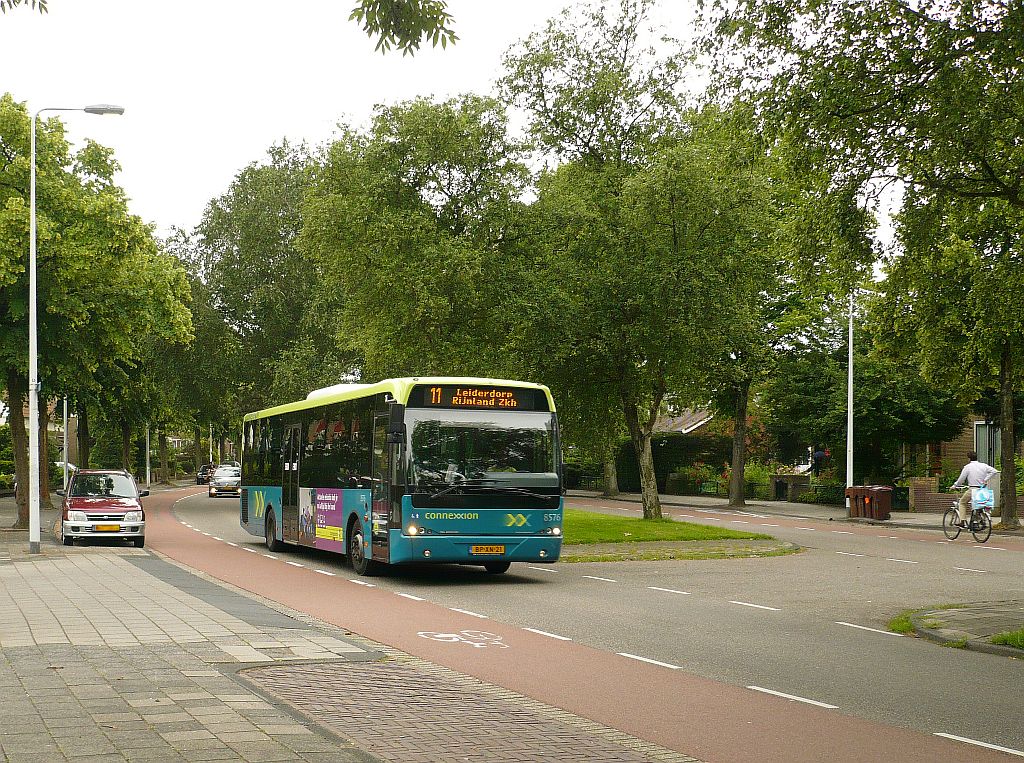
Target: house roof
(687, 421)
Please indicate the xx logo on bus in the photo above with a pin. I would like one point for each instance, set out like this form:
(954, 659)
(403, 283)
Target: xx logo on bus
(260, 501)
(516, 520)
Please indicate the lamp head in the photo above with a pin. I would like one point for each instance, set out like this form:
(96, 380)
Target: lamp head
(104, 108)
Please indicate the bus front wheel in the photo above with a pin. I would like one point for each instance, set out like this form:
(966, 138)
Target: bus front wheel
(496, 568)
(357, 557)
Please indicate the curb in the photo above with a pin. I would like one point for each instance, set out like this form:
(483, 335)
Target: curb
(974, 645)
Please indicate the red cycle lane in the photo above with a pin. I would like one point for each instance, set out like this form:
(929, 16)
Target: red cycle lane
(707, 719)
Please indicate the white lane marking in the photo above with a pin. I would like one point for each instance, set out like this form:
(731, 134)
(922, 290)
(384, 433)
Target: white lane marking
(706, 511)
(208, 535)
(270, 556)
(894, 537)
(756, 606)
(766, 524)
(712, 519)
(848, 553)
(410, 596)
(1009, 750)
(866, 628)
(186, 524)
(739, 521)
(295, 564)
(968, 569)
(794, 697)
(216, 538)
(231, 544)
(545, 633)
(606, 580)
(542, 569)
(668, 590)
(842, 532)
(467, 612)
(691, 516)
(324, 572)
(751, 514)
(646, 659)
(812, 529)
(250, 550)
(360, 582)
(901, 561)
(990, 548)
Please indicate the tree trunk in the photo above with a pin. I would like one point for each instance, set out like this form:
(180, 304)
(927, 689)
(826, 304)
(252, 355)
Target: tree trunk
(126, 447)
(17, 388)
(611, 476)
(82, 409)
(640, 434)
(1007, 440)
(739, 446)
(44, 454)
(196, 453)
(165, 466)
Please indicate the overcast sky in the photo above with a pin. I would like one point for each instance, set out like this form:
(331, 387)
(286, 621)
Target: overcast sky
(209, 85)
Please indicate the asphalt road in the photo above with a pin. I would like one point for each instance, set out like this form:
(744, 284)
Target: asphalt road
(810, 626)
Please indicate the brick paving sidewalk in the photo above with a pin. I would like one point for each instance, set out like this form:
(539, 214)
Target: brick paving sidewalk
(110, 653)
(973, 625)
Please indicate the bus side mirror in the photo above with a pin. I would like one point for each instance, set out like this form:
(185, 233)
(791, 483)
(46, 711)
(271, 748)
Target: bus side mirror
(396, 423)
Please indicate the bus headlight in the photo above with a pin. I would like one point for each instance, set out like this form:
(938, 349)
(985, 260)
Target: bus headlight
(412, 530)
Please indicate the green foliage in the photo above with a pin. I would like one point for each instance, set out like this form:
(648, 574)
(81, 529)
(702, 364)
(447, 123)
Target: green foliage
(1010, 638)
(405, 23)
(33, 4)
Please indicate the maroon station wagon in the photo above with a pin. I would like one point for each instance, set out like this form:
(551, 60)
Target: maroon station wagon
(103, 503)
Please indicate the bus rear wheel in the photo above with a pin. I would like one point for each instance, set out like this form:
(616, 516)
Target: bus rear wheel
(496, 568)
(270, 534)
(357, 557)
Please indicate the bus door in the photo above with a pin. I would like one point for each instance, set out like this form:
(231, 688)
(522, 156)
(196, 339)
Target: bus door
(381, 497)
(290, 486)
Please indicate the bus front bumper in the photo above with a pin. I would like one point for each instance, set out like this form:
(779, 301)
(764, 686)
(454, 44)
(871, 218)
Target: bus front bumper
(474, 549)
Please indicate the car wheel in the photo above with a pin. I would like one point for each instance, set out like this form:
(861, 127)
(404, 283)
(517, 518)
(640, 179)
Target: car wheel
(139, 542)
(67, 540)
(361, 563)
(496, 568)
(210, 494)
(270, 534)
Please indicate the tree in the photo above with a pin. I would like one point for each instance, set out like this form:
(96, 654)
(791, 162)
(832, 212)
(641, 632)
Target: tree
(407, 223)
(102, 285)
(924, 93)
(405, 24)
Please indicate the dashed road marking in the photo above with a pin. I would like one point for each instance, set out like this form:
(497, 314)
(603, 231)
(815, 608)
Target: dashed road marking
(766, 524)
(849, 553)
(739, 521)
(410, 596)
(324, 572)
(362, 583)
(990, 746)
(270, 556)
(541, 569)
(295, 564)
(550, 635)
(216, 538)
(842, 532)
(968, 569)
(649, 660)
(250, 550)
(866, 628)
(467, 612)
(794, 697)
(668, 590)
(990, 548)
(231, 544)
(901, 561)
(756, 606)
(812, 529)
(606, 580)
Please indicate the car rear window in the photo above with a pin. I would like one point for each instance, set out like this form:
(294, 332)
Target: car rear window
(103, 486)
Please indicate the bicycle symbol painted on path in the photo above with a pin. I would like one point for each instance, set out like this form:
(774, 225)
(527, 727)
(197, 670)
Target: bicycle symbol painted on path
(479, 639)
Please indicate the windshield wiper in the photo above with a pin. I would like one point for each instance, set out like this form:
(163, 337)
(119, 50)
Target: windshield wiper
(492, 489)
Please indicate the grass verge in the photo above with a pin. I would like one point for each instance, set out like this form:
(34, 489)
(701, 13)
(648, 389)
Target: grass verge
(587, 527)
(902, 624)
(1010, 638)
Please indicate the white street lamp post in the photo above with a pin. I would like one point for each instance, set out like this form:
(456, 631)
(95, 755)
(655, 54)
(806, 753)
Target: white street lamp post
(33, 349)
(849, 405)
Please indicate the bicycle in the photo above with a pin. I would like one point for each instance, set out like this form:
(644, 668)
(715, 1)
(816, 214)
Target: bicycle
(979, 523)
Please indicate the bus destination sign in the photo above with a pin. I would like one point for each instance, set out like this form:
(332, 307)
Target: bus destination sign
(498, 398)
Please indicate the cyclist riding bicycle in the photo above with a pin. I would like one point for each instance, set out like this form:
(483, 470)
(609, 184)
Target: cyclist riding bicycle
(974, 475)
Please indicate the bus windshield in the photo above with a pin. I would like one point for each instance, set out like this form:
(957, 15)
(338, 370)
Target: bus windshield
(497, 449)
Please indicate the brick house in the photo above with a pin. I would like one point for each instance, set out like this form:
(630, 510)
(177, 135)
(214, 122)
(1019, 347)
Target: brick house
(949, 457)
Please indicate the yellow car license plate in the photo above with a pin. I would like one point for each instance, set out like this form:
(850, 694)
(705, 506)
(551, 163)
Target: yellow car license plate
(487, 550)
(108, 528)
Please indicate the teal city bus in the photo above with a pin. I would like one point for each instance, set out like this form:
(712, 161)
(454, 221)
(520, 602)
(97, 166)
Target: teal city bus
(413, 470)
